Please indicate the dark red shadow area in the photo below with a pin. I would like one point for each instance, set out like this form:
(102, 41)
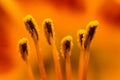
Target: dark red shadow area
(110, 12)
(6, 61)
(71, 5)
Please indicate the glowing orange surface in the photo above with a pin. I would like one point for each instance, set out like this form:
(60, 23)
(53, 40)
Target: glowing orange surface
(68, 16)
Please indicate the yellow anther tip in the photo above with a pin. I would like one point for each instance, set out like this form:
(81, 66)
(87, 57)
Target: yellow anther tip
(91, 24)
(47, 20)
(81, 31)
(22, 41)
(28, 17)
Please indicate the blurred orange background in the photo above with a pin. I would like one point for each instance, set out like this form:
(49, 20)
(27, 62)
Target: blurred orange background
(68, 17)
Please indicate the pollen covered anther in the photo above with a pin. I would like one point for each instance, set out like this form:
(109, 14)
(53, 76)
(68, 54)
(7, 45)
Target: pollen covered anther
(48, 30)
(31, 26)
(80, 36)
(90, 31)
(66, 46)
(23, 48)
